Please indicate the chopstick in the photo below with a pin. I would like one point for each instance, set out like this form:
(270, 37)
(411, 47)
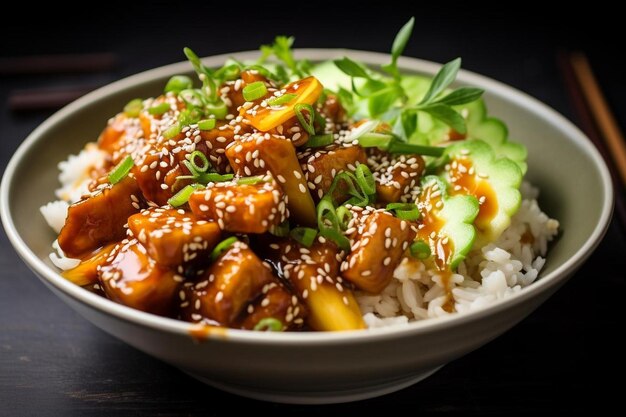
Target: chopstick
(66, 63)
(601, 112)
(597, 121)
(46, 98)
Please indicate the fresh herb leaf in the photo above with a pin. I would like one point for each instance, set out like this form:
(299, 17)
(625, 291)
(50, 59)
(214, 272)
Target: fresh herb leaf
(380, 101)
(399, 43)
(460, 96)
(408, 121)
(447, 115)
(442, 80)
(351, 68)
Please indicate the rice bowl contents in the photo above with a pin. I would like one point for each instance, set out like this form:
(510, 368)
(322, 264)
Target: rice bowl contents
(288, 196)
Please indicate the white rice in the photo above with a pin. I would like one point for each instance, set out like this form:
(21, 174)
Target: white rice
(488, 274)
(74, 178)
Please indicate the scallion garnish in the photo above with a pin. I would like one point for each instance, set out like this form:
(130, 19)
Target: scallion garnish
(308, 125)
(254, 91)
(193, 98)
(375, 140)
(183, 195)
(317, 141)
(159, 109)
(344, 215)
(409, 148)
(280, 230)
(304, 235)
(172, 131)
(269, 324)
(121, 170)
(250, 180)
(279, 101)
(195, 155)
(219, 110)
(222, 247)
(206, 124)
(178, 83)
(329, 225)
(405, 211)
(133, 107)
(365, 179)
(420, 249)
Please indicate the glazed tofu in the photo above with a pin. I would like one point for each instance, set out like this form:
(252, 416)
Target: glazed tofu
(174, 237)
(132, 278)
(241, 208)
(151, 173)
(260, 153)
(277, 303)
(86, 272)
(396, 175)
(313, 273)
(100, 218)
(320, 165)
(377, 244)
(234, 280)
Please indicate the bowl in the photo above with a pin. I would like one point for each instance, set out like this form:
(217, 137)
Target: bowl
(316, 367)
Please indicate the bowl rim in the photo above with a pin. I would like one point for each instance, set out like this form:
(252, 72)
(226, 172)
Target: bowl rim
(52, 278)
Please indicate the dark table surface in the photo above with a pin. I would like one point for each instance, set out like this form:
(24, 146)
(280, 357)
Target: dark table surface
(53, 362)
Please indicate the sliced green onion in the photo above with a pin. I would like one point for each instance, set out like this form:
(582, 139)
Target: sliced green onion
(364, 128)
(189, 116)
(254, 91)
(172, 131)
(280, 230)
(405, 211)
(326, 213)
(222, 247)
(192, 97)
(121, 170)
(192, 160)
(178, 83)
(420, 249)
(337, 237)
(344, 215)
(304, 235)
(133, 107)
(284, 99)
(409, 148)
(365, 179)
(219, 110)
(206, 124)
(250, 180)
(159, 109)
(269, 324)
(320, 121)
(183, 195)
(208, 177)
(317, 141)
(375, 140)
(306, 124)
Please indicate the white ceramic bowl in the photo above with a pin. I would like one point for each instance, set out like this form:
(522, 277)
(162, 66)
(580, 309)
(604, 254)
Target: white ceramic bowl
(316, 367)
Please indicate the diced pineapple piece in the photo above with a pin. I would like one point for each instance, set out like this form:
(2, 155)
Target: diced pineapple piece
(378, 243)
(100, 218)
(241, 208)
(131, 278)
(174, 237)
(86, 272)
(235, 279)
(256, 154)
(320, 165)
(313, 273)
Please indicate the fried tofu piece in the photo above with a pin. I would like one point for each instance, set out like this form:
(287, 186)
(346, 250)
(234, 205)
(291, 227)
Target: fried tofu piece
(100, 218)
(277, 303)
(314, 274)
(396, 175)
(86, 272)
(132, 278)
(235, 279)
(151, 172)
(320, 165)
(174, 237)
(241, 208)
(378, 243)
(258, 153)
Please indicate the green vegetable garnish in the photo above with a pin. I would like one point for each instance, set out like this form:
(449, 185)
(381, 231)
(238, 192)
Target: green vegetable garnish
(405, 211)
(206, 124)
(222, 247)
(172, 131)
(280, 230)
(121, 170)
(304, 235)
(183, 195)
(133, 107)
(178, 83)
(159, 109)
(420, 250)
(279, 101)
(254, 91)
(317, 141)
(269, 324)
(307, 124)
(250, 180)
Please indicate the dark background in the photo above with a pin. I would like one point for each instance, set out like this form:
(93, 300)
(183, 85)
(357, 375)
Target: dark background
(53, 362)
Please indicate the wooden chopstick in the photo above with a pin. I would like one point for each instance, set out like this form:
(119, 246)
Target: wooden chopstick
(62, 63)
(587, 123)
(601, 112)
(46, 98)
